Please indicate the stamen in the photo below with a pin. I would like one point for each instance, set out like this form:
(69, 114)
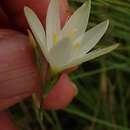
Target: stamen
(72, 33)
(55, 38)
(77, 45)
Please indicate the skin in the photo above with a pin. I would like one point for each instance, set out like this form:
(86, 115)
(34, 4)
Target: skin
(6, 122)
(19, 77)
(14, 10)
(61, 94)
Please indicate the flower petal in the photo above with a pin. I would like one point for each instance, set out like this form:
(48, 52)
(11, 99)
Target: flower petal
(52, 23)
(94, 54)
(36, 28)
(78, 21)
(89, 39)
(60, 54)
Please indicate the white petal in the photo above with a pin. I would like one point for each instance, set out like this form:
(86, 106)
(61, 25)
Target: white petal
(52, 23)
(36, 28)
(89, 39)
(78, 21)
(91, 55)
(60, 54)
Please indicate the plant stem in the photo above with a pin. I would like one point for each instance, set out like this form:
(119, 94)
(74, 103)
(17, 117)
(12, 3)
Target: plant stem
(38, 114)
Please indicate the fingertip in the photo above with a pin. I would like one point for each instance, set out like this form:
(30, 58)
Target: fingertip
(61, 94)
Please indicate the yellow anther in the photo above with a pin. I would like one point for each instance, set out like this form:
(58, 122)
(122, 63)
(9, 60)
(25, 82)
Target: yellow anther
(77, 45)
(72, 33)
(55, 38)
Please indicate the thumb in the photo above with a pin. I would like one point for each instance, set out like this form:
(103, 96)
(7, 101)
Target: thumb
(18, 75)
(61, 94)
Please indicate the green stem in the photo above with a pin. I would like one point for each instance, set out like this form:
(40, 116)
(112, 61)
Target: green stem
(57, 122)
(38, 114)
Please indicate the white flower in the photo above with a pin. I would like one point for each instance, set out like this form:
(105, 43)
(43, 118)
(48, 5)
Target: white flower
(70, 46)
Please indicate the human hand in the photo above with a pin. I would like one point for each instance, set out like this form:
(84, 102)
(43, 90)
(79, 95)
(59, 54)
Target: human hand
(19, 77)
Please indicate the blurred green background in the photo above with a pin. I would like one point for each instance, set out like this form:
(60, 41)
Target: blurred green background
(103, 101)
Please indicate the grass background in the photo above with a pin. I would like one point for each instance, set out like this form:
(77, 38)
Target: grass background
(103, 101)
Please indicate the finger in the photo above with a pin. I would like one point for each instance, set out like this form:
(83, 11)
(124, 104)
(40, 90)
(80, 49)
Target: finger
(6, 102)
(6, 122)
(19, 77)
(14, 9)
(18, 74)
(61, 94)
(65, 11)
